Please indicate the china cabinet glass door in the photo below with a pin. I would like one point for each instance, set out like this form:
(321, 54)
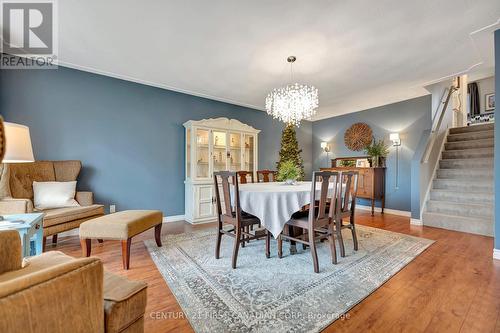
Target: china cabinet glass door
(188, 153)
(219, 151)
(248, 152)
(234, 151)
(202, 153)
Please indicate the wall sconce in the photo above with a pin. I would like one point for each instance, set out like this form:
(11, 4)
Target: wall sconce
(396, 142)
(326, 148)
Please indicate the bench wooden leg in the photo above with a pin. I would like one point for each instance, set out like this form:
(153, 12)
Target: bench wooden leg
(86, 247)
(126, 253)
(44, 242)
(158, 234)
(54, 239)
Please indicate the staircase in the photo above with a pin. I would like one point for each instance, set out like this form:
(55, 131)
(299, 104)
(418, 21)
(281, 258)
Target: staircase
(462, 196)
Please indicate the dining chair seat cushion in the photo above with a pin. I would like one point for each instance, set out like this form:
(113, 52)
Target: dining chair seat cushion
(246, 219)
(259, 232)
(299, 221)
(301, 218)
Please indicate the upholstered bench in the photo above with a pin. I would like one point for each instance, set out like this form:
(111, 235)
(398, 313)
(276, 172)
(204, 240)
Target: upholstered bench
(120, 226)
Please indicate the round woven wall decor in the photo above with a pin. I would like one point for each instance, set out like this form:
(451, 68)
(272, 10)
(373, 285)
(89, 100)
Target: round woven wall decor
(358, 136)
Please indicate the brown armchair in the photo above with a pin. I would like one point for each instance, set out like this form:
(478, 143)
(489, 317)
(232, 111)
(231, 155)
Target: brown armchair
(16, 189)
(56, 293)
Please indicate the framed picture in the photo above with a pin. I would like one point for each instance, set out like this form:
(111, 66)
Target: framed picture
(489, 102)
(362, 163)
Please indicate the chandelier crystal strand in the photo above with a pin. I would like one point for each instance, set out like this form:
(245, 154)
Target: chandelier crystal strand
(292, 103)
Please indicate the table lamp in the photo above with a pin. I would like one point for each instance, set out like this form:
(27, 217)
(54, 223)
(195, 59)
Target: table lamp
(16, 145)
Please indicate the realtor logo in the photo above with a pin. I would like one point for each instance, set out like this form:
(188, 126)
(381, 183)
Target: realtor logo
(29, 34)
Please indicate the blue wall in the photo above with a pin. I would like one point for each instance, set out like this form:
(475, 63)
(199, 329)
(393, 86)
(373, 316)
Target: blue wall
(411, 118)
(129, 136)
(497, 142)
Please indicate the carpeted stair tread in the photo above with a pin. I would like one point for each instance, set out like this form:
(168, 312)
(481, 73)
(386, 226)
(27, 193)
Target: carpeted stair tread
(468, 153)
(462, 197)
(469, 129)
(464, 137)
(466, 163)
(482, 185)
(480, 226)
(471, 144)
(459, 173)
(474, 210)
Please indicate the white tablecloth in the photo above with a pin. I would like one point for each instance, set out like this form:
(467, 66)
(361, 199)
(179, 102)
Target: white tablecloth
(274, 203)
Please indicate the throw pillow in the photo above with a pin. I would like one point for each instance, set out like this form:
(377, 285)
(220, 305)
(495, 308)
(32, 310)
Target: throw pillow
(54, 195)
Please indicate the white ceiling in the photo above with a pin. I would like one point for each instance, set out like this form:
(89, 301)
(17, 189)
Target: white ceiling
(359, 54)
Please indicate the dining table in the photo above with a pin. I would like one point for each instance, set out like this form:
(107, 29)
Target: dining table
(275, 202)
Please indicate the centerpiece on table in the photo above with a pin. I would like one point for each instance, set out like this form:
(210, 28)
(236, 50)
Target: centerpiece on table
(289, 173)
(378, 151)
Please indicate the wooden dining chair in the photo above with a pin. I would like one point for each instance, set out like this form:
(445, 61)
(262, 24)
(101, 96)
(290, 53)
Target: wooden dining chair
(233, 215)
(265, 176)
(243, 176)
(345, 208)
(317, 220)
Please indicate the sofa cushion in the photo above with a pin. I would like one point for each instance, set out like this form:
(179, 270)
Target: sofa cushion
(36, 264)
(62, 215)
(124, 302)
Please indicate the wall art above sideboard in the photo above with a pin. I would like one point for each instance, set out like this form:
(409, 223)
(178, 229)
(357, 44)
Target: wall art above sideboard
(358, 136)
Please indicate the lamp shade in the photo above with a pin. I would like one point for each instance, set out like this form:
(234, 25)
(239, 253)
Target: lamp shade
(18, 144)
(394, 136)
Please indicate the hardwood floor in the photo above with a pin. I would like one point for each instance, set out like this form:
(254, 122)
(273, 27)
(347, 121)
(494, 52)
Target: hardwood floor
(454, 286)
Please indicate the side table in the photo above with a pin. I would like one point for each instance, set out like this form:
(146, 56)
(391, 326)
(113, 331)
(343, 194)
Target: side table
(30, 228)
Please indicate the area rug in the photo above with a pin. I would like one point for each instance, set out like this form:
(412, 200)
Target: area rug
(276, 295)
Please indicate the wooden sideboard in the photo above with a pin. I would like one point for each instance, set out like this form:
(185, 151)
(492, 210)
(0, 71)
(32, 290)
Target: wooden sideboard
(371, 183)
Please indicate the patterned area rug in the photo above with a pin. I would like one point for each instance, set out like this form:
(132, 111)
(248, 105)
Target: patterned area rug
(276, 295)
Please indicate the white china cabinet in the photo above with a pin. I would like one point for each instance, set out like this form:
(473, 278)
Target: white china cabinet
(214, 145)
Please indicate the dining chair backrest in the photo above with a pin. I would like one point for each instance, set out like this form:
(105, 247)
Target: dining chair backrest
(223, 180)
(347, 194)
(243, 176)
(323, 211)
(265, 176)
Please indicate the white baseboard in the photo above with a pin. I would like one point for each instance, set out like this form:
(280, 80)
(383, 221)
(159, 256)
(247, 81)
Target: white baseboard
(496, 254)
(416, 221)
(386, 210)
(173, 218)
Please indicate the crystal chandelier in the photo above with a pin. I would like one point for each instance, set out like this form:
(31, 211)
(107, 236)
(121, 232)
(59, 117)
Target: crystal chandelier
(292, 103)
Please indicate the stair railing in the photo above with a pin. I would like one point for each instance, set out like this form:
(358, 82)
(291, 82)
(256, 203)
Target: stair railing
(448, 92)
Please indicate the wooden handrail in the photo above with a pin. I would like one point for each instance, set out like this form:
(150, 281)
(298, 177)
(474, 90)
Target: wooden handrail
(437, 126)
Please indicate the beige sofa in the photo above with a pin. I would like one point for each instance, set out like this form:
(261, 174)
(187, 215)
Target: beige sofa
(16, 194)
(56, 293)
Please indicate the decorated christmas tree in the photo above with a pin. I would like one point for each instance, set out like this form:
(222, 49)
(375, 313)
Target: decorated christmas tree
(290, 149)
